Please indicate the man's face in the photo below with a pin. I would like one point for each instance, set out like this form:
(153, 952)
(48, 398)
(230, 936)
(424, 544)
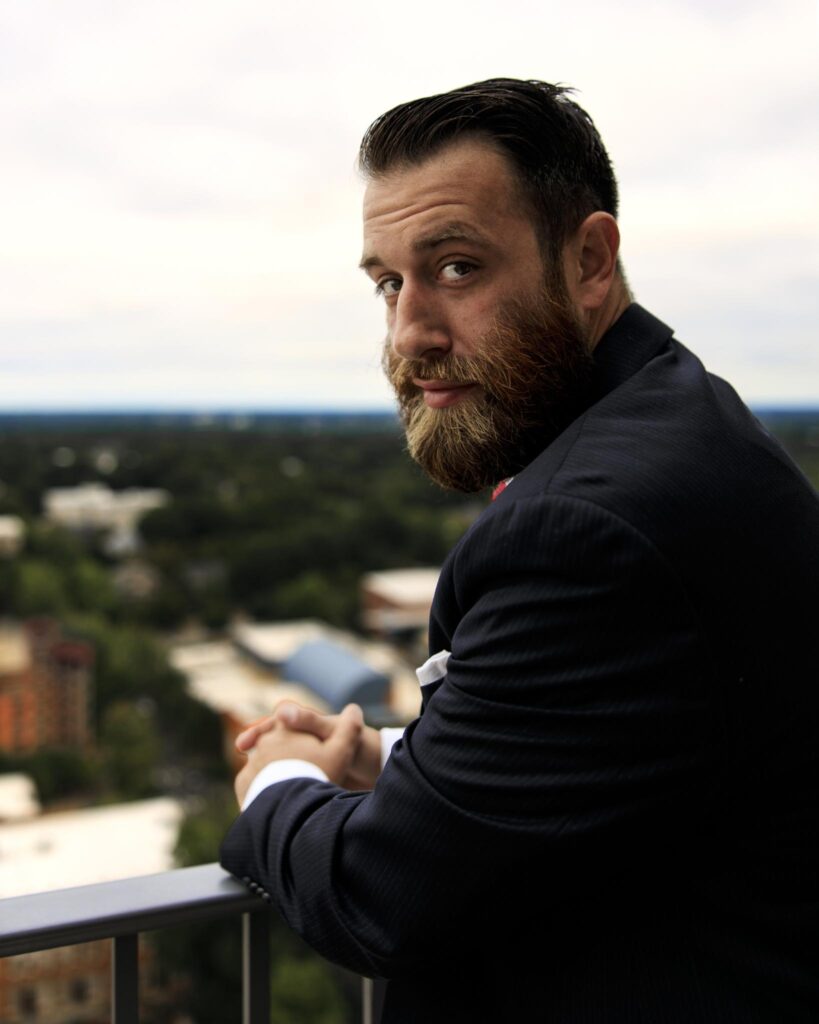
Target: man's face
(484, 348)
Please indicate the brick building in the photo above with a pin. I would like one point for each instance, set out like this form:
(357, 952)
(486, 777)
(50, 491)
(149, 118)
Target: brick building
(45, 688)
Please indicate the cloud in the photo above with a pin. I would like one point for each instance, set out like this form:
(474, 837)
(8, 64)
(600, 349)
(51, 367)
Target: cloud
(178, 183)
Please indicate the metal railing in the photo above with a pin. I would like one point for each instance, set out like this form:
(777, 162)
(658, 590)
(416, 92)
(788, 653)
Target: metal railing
(121, 910)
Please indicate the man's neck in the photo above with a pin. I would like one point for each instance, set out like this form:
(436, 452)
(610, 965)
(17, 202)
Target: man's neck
(616, 303)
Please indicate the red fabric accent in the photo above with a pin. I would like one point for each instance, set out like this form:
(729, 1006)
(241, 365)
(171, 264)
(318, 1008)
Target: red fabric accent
(500, 488)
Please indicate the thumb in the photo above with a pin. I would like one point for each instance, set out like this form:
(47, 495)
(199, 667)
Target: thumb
(342, 744)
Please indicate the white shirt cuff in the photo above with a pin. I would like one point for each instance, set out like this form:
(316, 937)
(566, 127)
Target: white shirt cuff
(389, 737)
(280, 771)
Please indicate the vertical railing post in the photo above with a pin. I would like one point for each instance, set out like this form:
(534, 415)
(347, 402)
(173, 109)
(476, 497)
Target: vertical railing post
(256, 967)
(366, 1001)
(125, 980)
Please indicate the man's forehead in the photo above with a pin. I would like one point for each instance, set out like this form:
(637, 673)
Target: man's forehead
(466, 191)
(465, 165)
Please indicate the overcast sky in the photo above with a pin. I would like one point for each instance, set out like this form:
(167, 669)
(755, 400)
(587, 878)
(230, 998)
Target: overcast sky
(180, 213)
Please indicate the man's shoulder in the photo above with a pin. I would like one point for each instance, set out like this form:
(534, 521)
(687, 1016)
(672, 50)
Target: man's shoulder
(670, 452)
(669, 435)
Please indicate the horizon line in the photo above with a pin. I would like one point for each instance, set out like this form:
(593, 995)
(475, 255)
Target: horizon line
(199, 410)
(763, 404)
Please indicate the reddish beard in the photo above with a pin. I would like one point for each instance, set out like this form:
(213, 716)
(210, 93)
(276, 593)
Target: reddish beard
(532, 368)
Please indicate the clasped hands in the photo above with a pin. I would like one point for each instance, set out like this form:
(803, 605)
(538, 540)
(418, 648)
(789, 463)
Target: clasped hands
(347, 750)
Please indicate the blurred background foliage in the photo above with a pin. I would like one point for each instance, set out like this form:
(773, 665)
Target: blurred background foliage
(273, 525)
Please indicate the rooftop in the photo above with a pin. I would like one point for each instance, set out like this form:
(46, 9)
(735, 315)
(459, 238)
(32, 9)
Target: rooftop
(52, 851)
(221, 674)
(14, 650)
(18, 797)
(11, 528)
(220, 677)
(403, 586)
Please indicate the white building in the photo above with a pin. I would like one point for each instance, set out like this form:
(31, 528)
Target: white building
(95, 507)
(12, 536)
(95, 844)
(18, 798)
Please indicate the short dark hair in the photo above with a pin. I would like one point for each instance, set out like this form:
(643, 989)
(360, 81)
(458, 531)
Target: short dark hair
(563, 168)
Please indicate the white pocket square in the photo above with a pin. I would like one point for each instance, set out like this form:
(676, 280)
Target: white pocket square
(433, 669)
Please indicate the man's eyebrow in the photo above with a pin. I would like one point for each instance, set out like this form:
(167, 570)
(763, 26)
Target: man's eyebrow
(369, 261)
(454, 232)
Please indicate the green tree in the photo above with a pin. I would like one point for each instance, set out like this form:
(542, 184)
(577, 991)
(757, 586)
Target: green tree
(130, 749)
(203, 827)
(90, 586)
(8, 582)
(312, 595)
(57, 773)
(303, 989)
(58, 547)
(39, 589)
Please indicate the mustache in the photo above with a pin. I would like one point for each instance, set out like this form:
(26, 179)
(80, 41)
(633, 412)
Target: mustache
(454, 369)
(525, 343)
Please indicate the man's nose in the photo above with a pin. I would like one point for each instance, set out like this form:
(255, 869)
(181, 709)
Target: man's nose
(417, 329)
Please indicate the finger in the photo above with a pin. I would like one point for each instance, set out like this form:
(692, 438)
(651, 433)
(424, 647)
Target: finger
(343, 743)
(248, 737)
(300, 719)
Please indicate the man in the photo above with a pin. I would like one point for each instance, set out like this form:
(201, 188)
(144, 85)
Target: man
(607, 809)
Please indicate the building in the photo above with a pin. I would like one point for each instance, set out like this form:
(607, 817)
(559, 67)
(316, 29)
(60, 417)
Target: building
(233, 686)
(135, 580)
(12, 536)
(333, 666)
(338, 676)
(57, 851)
(395, 603)
(245, 677)
(45, 688)
(95, 508)
(18, 798)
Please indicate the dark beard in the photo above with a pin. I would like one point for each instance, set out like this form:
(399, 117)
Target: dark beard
(532, 368)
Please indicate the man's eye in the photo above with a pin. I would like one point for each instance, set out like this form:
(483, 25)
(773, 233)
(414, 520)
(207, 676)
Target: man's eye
(455, 271)
(389, 287)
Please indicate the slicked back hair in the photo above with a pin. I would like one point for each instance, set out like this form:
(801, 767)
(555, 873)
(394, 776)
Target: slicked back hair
(563, 169)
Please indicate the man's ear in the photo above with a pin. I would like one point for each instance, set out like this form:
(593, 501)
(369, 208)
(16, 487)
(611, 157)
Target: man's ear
(590, 259)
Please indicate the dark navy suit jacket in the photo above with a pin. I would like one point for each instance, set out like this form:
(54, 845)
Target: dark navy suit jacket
(608, 808)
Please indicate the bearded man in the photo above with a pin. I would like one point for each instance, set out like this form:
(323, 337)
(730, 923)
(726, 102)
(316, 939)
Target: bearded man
(607, 808)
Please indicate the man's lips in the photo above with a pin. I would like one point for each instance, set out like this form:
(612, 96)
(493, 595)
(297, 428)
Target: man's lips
(440, 393)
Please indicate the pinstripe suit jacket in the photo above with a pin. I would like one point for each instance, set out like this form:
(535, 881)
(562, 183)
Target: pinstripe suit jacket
(607, 810)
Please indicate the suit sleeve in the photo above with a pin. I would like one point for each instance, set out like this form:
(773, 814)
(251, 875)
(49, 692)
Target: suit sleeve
(574, 732)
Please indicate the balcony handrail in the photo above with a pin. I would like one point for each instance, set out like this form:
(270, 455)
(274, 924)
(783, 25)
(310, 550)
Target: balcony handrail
(121, 910)
(63, 917)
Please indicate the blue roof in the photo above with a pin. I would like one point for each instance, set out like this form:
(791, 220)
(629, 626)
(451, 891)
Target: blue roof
(336, 675)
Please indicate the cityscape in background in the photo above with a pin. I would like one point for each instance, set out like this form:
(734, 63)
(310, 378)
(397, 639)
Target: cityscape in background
(165, 579)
